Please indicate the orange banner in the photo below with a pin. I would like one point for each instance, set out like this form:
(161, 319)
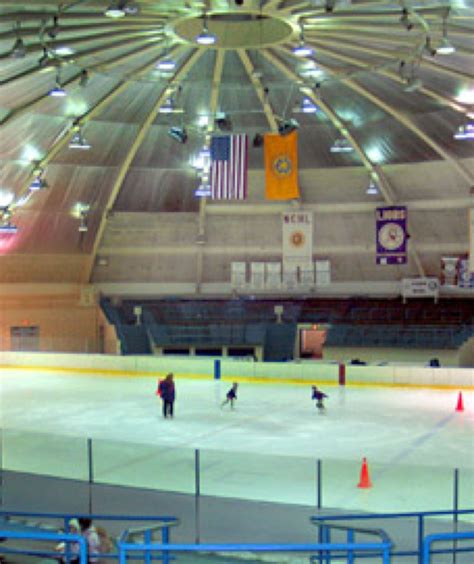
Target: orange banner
(281, 166)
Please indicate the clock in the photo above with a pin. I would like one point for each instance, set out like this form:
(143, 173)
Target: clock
(391, 236)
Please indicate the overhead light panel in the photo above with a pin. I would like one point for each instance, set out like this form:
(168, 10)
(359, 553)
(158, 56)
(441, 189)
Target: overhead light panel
(166, 64)
(78, 141)
(464, 132)
(63, 50)
(57, 92)
(445, 47)
(38, 183)
(179, 134)
(203, 191)
(302, 50)
(372, 188)
(205, 37)
(8, 228)
(116, 10)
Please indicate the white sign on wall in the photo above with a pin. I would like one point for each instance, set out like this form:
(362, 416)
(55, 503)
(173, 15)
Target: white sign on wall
(297, 228)
(273, 275)
(257, 275)
(238, 271)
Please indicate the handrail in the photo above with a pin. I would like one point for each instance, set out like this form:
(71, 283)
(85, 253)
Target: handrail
(383, 548)
(64, 537)
(429, 539)
(419, 515)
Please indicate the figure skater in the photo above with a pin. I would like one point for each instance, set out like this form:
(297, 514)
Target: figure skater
(319, 396)
(231, 396)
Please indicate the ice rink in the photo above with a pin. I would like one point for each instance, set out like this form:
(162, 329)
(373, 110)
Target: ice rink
(266, 449)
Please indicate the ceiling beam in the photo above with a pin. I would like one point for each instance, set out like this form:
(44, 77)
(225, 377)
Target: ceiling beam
(213, 106)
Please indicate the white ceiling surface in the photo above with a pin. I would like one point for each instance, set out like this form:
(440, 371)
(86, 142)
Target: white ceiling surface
(144, 218)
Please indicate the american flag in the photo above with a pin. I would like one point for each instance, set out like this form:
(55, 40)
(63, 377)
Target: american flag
(228, 171)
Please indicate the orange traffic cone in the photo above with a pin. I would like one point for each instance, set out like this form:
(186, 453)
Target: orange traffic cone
(364, 481)
(460, 404)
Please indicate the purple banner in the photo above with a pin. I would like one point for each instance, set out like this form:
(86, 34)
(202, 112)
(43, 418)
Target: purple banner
(391, 233)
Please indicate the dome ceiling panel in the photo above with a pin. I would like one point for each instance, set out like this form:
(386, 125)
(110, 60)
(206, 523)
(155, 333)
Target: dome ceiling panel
(158, 190)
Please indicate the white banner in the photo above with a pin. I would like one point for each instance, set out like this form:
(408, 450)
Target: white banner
(238, 272)
(297, 227)
(273, 275)
(257, 275)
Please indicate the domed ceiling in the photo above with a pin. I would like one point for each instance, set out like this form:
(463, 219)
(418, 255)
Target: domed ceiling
(99, 184)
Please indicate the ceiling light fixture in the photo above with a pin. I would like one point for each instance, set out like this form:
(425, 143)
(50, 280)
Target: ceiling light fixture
(116, 10)
(38, 183)
(57, 92)
(8, 228)
(203, 191)
(405, 21)
(63, 50)
(342, 145)
(78, 141)
(18, 50)
(179, 134)
(205, 37)
(166, 64)
(83, 78)
(54, 29)
(464, 132)
(372, 188)
(445, 47)
(302, 50)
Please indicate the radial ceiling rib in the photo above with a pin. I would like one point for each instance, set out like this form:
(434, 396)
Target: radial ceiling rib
(384, 184)
(257, 84)
(392, 76)
(213, 105)
(184, 69)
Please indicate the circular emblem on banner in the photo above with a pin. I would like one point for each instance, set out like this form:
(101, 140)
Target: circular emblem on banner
(282, 166)
(391, 236)
(297, 239)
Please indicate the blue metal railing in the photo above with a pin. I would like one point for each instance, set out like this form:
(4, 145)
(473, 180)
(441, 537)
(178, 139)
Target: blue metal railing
(430, 539)
(52, 537)
(324, 522)
(160, 522)
(381, 549)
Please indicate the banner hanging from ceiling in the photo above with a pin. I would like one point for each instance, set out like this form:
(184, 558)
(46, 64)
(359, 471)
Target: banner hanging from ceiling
(281, 166)
(297, 230)
(391, 235)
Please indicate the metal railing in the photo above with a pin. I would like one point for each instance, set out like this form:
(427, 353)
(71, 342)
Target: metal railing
(430, 539)
(326, 523)
(165, 550)
(67, 538)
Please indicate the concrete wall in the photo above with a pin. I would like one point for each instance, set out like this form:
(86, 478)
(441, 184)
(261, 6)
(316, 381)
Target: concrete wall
(67, 315)
(283, 372)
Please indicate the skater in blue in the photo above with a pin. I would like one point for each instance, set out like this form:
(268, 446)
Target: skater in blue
(318, 395)
(231, 396)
